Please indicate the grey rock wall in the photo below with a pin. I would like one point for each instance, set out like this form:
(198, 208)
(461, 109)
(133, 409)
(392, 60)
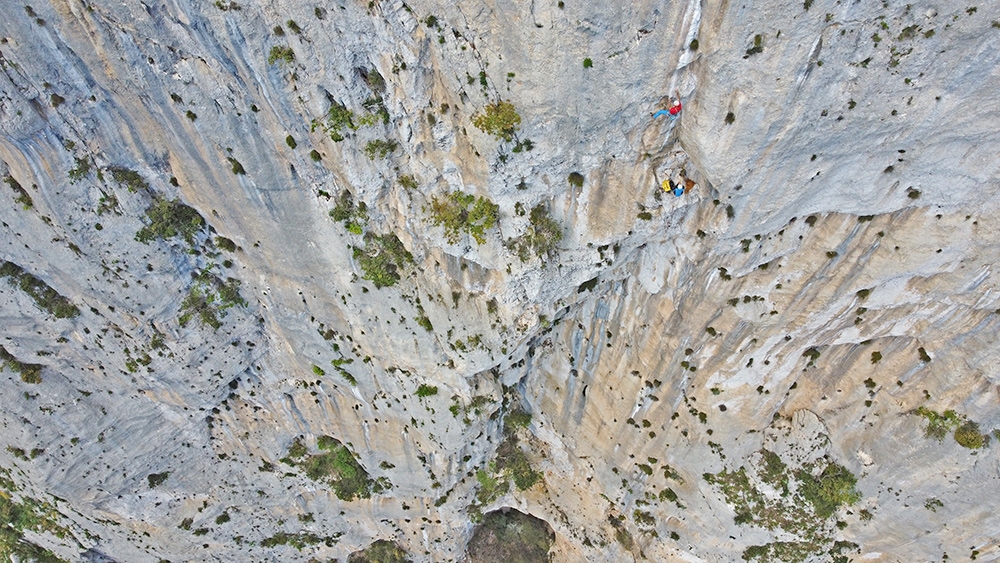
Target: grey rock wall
(845, 209)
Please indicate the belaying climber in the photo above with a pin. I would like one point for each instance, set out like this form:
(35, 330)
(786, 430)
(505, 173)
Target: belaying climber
(675, 108)
(670, 187)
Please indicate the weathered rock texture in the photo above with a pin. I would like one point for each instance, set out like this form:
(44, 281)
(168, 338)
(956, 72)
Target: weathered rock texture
(842, 164)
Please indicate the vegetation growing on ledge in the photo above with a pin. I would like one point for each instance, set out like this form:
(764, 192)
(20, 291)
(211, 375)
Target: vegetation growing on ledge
(425, 390)
(169, 219)
(20, 514)
(541, 238)
(157, 479)
(45, 297)
(30, 373)
(966, 432)
(509, 536)
(354, 217)
(337, 466)
(801, 510)
(284, 54)
(382, 259)
(338, 118)
(130, 179)
(500, 120)
(380, 551)
(21, 195)
(454, 214)
(209, 298)
(299, 540)
(379, 148)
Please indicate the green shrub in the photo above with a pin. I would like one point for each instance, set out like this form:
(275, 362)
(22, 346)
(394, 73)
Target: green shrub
(757, 47)
(209, 298)
(237, 168)
(587, 63)
(968, 436)
(130, 179)
(30, 373)
(169, 219)
(294, 27)
(517, 419)
(490, 487)
(425, 390)
(379, 148)
(298, 540)
(730, 118)
(21, 195)
(47, 298)
(225, 244)
(938, 425)
(509, 536)
(575, 179)
(157, 479)
(318, 370)
(514, 462)
(80, 171)
(284, 54)
(19, 517)
(380, 551)
(337, 466)
(408, 182)
(290, 141)
(191, 115)
(541, 238)
(454, 214)
(56, 100)
(500, 120)
(382, 258)
(834, 487)
(338, 118)
(314, 154)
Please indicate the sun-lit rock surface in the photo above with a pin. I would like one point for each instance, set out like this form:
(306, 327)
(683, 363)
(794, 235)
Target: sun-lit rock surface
(261, 368)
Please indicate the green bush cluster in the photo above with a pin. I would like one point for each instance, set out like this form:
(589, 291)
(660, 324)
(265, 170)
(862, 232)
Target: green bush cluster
(464, 213)
(337, 466)
(169, 219)
(425, 390)
(284, 54)
(80, 171)
(47, 298)
(20, 194)
(803, 509)
(130, 179)
(832, 488)
(157, 479)
(382, 258)
(541, 238)
(379, 148)
(512, 460)
(380, 551)
(19, 515)
(757, 47)
(500, 120)
(209, 298)
(30, 373)
(298, 540)
(338, 118)
(966, 432)
(510, 536)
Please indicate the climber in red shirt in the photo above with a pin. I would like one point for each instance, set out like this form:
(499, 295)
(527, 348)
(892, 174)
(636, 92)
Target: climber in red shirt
(676, 108)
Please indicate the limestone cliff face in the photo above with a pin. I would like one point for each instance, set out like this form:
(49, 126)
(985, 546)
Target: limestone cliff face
(694, 367)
